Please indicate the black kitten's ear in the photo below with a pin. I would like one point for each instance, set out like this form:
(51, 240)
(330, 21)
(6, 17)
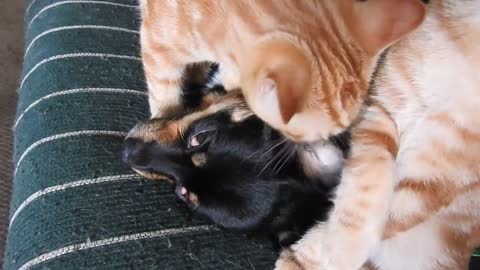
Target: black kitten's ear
(198, 82)
(201, 139)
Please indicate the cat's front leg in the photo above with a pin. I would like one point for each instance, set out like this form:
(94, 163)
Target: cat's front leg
(169, 70)
(356, 223)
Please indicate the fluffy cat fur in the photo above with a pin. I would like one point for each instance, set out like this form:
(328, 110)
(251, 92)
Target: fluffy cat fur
(409, 196)
(303, 65)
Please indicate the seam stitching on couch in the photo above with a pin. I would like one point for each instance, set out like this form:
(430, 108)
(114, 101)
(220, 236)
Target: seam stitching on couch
(110, 241)
(79, 183)
(75, 91)
(72, 27)
(66, 135)
(76, 2)
(73, 55)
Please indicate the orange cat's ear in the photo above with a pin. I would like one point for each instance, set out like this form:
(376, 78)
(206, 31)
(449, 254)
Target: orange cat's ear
(277, 82)
(379, 23)
(288, 95)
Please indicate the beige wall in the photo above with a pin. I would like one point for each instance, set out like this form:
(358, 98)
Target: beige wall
(11, 47)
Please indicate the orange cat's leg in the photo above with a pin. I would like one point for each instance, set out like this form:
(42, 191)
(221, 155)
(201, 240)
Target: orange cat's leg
(355, 226)
(163, 72)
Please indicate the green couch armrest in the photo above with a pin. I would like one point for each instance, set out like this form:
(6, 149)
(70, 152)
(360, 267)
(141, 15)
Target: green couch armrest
(74, 206)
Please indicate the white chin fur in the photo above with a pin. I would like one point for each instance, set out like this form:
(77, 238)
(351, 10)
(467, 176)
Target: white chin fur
(321, 158)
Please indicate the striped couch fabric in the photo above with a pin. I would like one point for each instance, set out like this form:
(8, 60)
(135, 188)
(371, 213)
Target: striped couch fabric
(74, 206)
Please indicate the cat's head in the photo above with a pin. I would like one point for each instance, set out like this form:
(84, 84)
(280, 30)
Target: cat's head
(214, 157)
(223, 161)
(312, 84)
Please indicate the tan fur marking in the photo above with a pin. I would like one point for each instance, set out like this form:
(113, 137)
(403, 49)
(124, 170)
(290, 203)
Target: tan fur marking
(351, 220)
(458, 248)
(434, 194)
(373, 137)
(465, 134)
(395, 227)
(199, 159)
(193, 198)
(289, 261)
(167, 131)
(168, 134)
(153, 176)
(240, 114)
(349, 94)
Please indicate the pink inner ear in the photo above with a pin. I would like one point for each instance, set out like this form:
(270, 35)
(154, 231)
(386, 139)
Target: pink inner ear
(267, 86)
(272, 96)
(194, 142)
(183, 191)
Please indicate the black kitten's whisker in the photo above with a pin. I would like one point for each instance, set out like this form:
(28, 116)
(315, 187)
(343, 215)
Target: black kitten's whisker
(279, 154)
(293, 150)
(264, 153)
(285, 151)
(282, 141)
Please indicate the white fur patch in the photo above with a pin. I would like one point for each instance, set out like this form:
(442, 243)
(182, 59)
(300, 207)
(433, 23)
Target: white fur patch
(320, 158)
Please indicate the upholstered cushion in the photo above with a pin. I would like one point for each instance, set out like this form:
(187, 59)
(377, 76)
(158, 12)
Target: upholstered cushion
(74, 206)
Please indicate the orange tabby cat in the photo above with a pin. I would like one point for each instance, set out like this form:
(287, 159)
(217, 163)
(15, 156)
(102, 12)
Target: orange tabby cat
(304, 67)
(284, 45)
(409, 197)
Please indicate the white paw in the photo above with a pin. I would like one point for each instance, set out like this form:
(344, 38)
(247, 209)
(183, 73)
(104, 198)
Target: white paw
(322, 249)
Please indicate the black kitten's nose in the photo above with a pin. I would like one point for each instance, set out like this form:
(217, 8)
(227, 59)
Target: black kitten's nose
(132, 151)
(155, 159)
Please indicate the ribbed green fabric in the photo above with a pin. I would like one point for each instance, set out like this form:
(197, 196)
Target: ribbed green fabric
(74, 205)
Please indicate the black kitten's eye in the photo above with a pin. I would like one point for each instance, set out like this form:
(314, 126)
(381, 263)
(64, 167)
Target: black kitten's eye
(199, 138)
(189, 197)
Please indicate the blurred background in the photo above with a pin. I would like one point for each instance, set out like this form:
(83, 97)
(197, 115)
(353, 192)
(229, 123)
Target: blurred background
(11, 48)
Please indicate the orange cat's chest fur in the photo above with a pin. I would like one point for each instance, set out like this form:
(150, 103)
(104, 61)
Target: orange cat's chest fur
(430, 84)
(409, 197)
(436, 95)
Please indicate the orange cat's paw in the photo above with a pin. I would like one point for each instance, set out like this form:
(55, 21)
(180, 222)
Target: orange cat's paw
(293, 260)
(288, 261)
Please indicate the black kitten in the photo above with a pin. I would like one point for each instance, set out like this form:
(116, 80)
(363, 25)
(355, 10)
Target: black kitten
(250, 180)
(230, 166)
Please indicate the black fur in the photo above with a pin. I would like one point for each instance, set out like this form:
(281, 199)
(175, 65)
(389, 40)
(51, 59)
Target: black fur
(196, 77)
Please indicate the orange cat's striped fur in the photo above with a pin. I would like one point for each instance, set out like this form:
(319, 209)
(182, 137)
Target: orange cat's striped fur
(410, 193)
(284, 45)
